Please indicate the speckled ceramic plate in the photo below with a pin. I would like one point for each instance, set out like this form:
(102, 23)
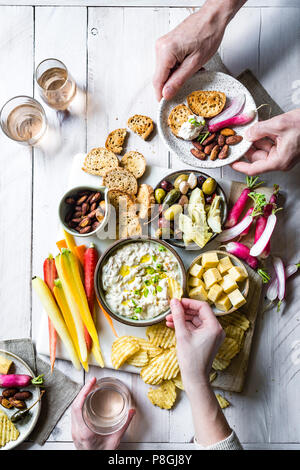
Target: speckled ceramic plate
(204, 81)
(25, 426)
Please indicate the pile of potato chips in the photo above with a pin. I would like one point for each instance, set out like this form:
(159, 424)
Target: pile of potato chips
(8, 431)
(158, 361)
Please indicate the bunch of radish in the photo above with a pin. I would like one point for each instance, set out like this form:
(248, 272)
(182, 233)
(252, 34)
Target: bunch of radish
(263, 214)
(276, 289)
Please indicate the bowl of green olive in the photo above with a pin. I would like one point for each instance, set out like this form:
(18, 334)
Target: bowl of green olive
(192, 209)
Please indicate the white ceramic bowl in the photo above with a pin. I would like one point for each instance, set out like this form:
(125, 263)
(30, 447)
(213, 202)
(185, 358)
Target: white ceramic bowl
(204, 80)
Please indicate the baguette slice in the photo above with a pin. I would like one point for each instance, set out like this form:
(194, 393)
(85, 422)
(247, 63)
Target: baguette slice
(206, 103)
(115, 140)
(135, 162)
(177, 117)
(146, 200)
(129, 226)
(141, 125)
(121, 179)
(122, 201)
(99, 161)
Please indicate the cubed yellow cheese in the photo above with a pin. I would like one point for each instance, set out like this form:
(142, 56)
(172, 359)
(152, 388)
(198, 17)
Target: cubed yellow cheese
(237, 273)
(211, 277)
(236, 298)
(215, 292)
(196, 270)
(195, 282)
(209, 260)
(228, 284)
(224, 265)
(223, 303)
(198, 293)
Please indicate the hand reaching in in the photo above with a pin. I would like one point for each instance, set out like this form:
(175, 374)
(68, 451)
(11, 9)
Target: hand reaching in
(199, 336)
(276, 145)
(83, 437)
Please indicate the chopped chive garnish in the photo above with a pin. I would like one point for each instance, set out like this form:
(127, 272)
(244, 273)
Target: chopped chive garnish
(134, 302)
(154, 257)
(146, 292)
(159, 266)
(147, 282)
(138, 310)
(159, 289)
(162, 248)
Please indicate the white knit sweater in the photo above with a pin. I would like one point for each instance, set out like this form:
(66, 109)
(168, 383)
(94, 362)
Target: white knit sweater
(230, 443)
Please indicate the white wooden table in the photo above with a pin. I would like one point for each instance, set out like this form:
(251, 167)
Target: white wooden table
(109, 48)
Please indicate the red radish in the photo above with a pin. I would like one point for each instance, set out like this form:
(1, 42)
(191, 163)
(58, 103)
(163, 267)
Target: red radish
(233, 232)
(19, 380)
(89, 266)
(261, 244)
(238, 120)
(280, 274)
(262, 221)
(233, 109)
(50, 274)
(242, 252)
(246, 231)
(237, 209)
(272, 291)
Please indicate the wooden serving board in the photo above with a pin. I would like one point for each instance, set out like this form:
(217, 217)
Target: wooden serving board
(233, 378)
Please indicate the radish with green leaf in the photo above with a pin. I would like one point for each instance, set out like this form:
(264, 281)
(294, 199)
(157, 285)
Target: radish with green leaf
(239, 206)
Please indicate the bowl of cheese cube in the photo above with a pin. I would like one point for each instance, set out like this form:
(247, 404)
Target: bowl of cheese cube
(220, 279)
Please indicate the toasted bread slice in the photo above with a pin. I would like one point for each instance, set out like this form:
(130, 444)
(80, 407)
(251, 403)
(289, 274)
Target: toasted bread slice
(206, 103)
(145, 199)
(177, 117)
(122, 201)
(135, 162)
(121, 179)
(115, 140)
(99, 161)
(129, 226)
(141, 125)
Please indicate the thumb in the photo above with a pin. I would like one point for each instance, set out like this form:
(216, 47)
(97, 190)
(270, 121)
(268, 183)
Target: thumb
(188, 67)
(118, 435)
(178, 315)
(262, 129)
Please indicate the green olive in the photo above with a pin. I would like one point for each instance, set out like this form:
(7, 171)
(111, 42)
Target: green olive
(209, 186)
(179, 180)
(173, 211)
(160, 195)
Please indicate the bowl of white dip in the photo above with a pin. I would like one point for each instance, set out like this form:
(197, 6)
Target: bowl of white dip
(132, 280)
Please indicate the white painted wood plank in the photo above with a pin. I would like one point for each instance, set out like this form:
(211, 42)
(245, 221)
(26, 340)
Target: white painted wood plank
(145, 3)
(121, 64)
(16, 45)
(59, 33)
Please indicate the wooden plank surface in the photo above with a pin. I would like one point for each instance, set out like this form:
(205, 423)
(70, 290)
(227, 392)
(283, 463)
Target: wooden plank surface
(264, 36)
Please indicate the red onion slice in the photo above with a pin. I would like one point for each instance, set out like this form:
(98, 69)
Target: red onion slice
(234, 108)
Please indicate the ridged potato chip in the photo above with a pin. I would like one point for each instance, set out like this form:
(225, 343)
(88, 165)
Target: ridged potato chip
(228, 349)
(122, 349)
(151, 350)
(175, 289)
(161, 336)
(8, 431)
(212, 376)
(139, 359)
(222, 401)
(162, 367)
(151, 373)
(178, 382)
(163, 396)
(236, 333)
(235, 319)
(220, 364)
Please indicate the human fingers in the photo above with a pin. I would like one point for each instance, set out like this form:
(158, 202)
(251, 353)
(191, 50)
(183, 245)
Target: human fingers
(255, 168)
(264, 144)
(114, 439)
(257, 155)
(178, 316)
(262, 129)
(187, 68)
(79, 400)
(165, 61)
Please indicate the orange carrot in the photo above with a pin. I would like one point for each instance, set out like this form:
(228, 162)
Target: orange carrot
(50, 274)
(80, 251)
(61, 244)
(108, 318)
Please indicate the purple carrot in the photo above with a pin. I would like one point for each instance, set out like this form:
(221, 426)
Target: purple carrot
(237, 209)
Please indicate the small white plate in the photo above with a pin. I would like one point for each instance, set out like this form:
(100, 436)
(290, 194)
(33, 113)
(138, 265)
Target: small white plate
(25, 426)
(205, 80)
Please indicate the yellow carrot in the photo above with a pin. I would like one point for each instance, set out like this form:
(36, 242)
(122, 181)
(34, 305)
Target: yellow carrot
(56, 318)
(66, 280)
(70, 263)
(67, 314)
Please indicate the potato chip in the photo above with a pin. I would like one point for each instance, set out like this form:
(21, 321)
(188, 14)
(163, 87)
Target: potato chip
(220, 364)
(212, 376)
(175, 289)
(139, 359)
(228, 349)
(151, 373)
(162, 367)
(151, 350)
(122, 349)
(235, 319)
(161, 336)
(178, 382)
(8, 431)
(235, 333)
(222, 401)
(163, 396)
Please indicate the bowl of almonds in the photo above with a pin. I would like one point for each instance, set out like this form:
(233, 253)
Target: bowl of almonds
(84, 210)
